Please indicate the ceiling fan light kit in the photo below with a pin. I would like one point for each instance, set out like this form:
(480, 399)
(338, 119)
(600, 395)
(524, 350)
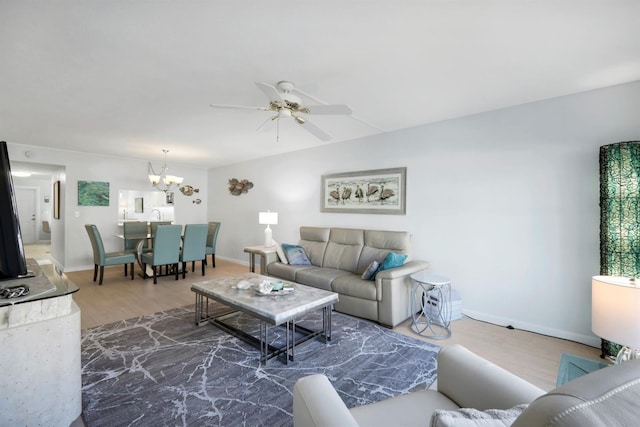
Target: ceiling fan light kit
(287, 104)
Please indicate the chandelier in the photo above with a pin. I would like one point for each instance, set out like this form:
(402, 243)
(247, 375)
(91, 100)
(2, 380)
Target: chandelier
(163, 181)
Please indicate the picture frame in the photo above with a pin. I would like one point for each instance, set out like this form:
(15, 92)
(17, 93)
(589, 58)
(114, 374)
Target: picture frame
(139, 205)
(379, 191)
(56, 200)
(93, 193)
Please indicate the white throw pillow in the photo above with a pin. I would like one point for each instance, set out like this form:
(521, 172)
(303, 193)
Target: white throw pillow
(370, 272)
(280, 252)
(468, 417)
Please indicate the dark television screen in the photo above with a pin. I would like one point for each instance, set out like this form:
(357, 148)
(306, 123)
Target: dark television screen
(12, 258)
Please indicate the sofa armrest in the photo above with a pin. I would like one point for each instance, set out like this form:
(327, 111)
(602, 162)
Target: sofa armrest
(473, 382)
(317, 404)
(405, 269)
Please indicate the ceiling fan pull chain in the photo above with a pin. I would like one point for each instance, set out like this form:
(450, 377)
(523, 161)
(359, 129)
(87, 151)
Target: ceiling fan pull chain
(277, 130)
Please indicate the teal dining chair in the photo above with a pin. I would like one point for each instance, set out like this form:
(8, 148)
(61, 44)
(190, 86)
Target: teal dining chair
(153, 225)
(166, 250)
(133, 232)
(102, 259)
(212, 237)
(194, 245)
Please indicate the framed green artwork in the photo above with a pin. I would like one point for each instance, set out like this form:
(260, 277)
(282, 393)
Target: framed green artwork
(93, 193)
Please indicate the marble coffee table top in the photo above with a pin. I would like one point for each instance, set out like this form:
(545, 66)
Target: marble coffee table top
(275, 309)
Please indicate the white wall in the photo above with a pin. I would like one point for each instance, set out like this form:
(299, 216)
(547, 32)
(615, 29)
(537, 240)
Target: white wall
(504, 203)
(70, 246)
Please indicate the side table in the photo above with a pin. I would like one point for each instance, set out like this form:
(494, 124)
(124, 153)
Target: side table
(431, 305)
(572, 367)
(263, 251)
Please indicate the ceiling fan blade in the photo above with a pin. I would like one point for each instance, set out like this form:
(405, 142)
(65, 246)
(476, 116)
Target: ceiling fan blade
(270, 91)
(238, 107)
(341, 109)
(315, 130)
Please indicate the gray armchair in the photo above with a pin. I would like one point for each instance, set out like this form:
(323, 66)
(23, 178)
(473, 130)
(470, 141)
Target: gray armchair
(607, 397)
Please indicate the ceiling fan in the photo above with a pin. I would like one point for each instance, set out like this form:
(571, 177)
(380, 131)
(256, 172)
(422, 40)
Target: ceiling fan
(284, 102)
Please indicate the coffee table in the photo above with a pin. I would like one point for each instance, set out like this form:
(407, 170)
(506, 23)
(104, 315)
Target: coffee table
(277, 309)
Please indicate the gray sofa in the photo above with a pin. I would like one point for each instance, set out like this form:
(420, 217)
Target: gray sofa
(607, 397)
(338, 258)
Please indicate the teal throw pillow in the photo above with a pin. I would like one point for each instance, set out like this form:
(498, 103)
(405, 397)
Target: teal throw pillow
(370, 272)
(295, 254)
(392, 260)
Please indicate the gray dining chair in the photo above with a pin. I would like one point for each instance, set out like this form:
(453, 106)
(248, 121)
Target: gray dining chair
(102, 259)
(166, 250)
(212, 237)
(193, 246)
(133, 232)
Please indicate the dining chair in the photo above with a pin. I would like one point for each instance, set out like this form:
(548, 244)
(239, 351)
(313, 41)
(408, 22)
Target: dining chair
(212, 237)
(166, 250)
(133, 232)
(194, 245)
(102, 259)
(154, 226)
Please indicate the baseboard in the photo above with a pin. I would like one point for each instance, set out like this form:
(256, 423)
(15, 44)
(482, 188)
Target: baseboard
(590, 340)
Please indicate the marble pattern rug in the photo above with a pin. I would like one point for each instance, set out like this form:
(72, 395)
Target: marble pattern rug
(163, 370)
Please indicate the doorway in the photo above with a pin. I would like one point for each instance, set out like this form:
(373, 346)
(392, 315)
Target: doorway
(27, 200)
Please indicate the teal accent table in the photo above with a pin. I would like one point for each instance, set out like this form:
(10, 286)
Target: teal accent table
(572, 367)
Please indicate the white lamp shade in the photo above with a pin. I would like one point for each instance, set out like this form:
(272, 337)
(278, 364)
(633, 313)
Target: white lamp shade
(269, 218)
(615, 310)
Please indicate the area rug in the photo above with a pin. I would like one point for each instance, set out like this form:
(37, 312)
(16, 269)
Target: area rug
(163, 370)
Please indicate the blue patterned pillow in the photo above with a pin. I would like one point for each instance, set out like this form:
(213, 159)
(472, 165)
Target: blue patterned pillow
(295, 254)
(370, 272)
(392, 260)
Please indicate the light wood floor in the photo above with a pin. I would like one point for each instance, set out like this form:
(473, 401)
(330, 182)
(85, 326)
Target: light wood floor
(532, 356)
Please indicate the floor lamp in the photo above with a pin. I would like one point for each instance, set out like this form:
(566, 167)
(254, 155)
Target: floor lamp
(619, 215)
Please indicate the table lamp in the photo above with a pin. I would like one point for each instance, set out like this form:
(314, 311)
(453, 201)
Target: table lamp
(615, 313)
(269, 218)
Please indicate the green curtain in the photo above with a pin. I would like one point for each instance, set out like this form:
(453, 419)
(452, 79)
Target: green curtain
(619, 215)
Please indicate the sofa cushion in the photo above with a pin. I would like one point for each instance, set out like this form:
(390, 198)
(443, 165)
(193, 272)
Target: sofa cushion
(354, 286)
(314, 241)
(469, 417)
(295, 254)
(370, 272)
(392, 260)
(343, 249)
(319, 277)
(285, 271)
(378, 243)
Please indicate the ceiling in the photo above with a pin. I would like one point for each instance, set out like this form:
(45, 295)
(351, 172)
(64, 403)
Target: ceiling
(131, 78)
